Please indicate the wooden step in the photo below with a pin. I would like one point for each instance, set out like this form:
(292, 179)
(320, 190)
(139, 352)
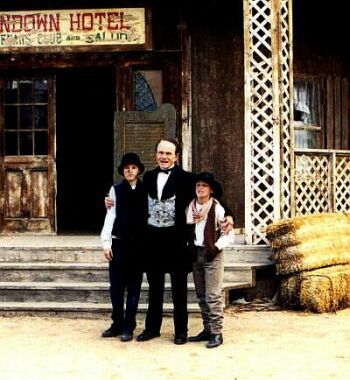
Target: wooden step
(91, 292)
(90, 272)
(74, 309)
(53, 272)
(69, 275)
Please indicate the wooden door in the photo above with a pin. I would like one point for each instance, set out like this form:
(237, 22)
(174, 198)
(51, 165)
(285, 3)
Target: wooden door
(138, 132)
(27, 155)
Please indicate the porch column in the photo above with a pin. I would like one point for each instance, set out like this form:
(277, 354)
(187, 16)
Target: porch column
(269, 136)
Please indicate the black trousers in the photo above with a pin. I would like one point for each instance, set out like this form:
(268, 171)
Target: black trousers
(125, 276)
(165, 256)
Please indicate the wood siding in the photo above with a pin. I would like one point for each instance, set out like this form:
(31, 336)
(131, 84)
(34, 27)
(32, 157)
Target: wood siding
(218, 105)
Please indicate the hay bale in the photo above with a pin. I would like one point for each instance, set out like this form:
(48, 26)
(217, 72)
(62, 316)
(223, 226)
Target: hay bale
(313, 254)
(310, 242)
(321, 290)
(309, 232)
(312, 262)
(306, 223)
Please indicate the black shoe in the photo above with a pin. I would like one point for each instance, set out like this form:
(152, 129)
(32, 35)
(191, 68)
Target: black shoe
(180, 339)
(111, 332)
(126, 336)
(215, 340)
(202, 336)
(147, 335)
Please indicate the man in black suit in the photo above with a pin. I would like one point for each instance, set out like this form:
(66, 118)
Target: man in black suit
(170, 190)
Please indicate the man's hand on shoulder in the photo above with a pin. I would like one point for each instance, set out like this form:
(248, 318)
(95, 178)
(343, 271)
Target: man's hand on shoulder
(227, 224)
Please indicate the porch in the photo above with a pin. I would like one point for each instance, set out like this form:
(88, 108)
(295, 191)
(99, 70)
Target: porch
(66, 274)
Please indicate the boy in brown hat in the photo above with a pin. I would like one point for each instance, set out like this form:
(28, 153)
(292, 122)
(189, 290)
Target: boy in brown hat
(204, 216)
(122, 239)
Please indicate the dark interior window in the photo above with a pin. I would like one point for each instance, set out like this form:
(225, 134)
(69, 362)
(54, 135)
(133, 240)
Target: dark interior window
(26, 117)
(307, 113)
(147, 90)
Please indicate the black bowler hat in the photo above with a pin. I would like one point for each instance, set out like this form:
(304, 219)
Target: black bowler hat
(130, 159)
(209, 179)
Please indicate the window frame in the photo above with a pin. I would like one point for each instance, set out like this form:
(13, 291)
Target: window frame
(18, 104)
(320, 127)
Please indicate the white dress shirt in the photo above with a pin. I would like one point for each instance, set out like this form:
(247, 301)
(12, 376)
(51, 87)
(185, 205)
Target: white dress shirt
(224, 241)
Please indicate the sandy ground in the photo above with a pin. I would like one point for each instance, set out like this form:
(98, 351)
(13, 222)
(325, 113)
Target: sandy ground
(258, 345)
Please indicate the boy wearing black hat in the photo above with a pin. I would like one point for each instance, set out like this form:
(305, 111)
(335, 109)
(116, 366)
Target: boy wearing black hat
(204, 216)
(122, 237)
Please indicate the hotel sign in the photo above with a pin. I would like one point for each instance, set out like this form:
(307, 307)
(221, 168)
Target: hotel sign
(74, 29)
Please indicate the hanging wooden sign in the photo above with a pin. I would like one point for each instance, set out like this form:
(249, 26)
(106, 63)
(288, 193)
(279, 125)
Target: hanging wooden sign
(75, 30)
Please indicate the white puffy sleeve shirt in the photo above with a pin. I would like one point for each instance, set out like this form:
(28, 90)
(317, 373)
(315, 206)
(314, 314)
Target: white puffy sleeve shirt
(106, 234)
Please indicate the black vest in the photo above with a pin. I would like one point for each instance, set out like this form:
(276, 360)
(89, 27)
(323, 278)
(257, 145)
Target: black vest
(131, 211)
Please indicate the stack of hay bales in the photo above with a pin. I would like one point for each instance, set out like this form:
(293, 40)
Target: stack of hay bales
(312, 255)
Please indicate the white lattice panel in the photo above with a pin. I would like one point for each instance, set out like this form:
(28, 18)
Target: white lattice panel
(286, 106)
(312, 185)
(267, 91)
(342, 183)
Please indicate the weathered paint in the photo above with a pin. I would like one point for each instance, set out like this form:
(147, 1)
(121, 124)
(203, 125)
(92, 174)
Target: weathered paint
(73, 27)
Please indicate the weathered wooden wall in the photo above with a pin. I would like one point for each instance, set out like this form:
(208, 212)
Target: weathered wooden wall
(218, 100)
(322, 50)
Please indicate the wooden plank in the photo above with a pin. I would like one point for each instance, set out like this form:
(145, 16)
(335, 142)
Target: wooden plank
(330, 113)
(186, 98)
(142, 139)
(13, 194)
(39, 191)
(291, 107)
(345, 113)
(2, 166)
(337, 114)
(51, 165)
(247, 124)
(139, 131)
(277, 143)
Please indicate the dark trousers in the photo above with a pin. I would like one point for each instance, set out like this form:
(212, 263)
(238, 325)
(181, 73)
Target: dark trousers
(125, 275)
(155, 301)
(166, 256)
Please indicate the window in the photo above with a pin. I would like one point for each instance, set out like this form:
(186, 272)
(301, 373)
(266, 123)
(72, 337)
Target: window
(26, 117)
(147, 90)
(307, 113)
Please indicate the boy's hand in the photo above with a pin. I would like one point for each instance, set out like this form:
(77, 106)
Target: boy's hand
(108, 254)
(227, 224)
(109, 203)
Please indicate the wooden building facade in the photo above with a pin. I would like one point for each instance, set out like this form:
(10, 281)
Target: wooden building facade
(256, 91)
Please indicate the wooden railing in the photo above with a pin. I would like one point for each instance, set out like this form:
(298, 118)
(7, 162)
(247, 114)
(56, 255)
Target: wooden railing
(322, 181)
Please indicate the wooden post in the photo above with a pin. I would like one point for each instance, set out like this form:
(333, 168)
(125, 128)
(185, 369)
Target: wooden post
(268, 129)
(186, 116)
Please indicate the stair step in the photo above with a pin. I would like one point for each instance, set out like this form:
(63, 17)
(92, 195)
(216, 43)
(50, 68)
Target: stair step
(236, 285)
(77, 307)
(70, 285)
(90, 272)
(93, 292)
(58, 272)
(51, 254)
(48, 265)
(248, 254)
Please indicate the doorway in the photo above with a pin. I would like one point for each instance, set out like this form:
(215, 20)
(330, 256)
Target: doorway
(85, 104)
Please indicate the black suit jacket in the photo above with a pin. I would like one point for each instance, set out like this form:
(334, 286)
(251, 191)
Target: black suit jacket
(181, 184)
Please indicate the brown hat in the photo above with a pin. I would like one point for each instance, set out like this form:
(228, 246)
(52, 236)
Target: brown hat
(130, 159)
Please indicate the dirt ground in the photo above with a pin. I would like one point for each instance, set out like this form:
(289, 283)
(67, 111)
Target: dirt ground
(257, 345)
